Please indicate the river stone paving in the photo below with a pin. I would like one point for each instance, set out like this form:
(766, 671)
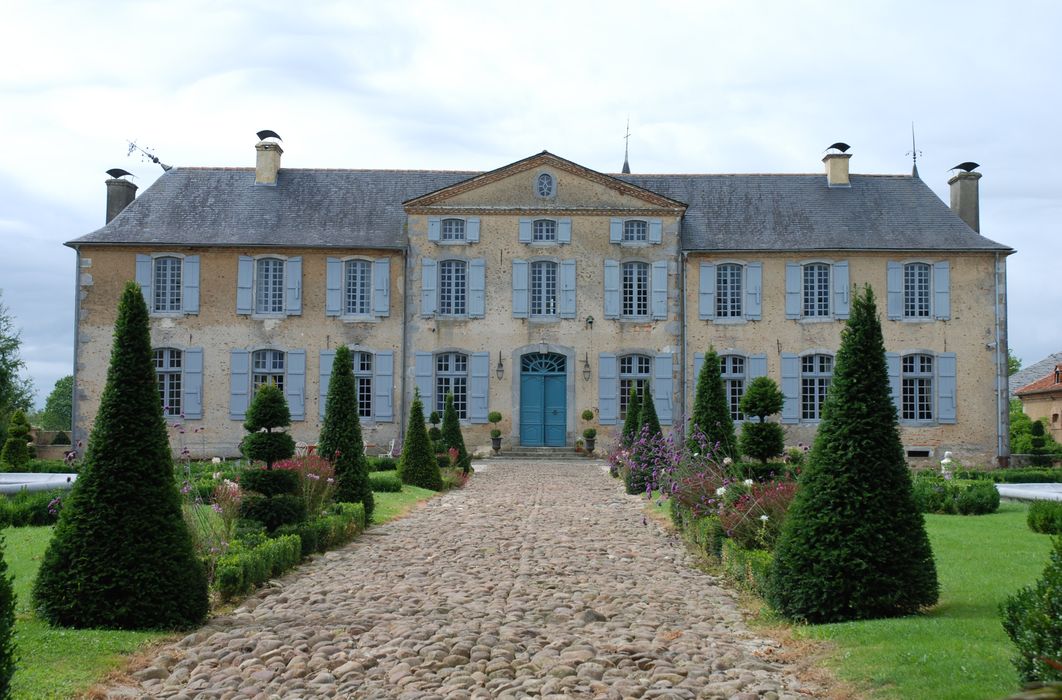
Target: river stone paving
(536, 580)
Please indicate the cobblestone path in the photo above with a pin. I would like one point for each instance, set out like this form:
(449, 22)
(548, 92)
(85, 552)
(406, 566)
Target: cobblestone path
(537, 580)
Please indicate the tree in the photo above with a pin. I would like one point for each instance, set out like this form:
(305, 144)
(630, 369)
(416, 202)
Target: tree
(121, 555)
(648, 423)
(16, 392)
(451, 434)
(854, 544)
(759, 439)
(341, 440)
(1013, 363)
(632, 423)
(16, 450)
(58, 408)
(1032, 618)
(7, 627)
(267, 413)
(418, 466)
(711, 411)
(1041, 457)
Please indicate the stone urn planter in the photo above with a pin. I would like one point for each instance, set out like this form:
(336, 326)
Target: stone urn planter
(495, 434)
(589, 439)
(495, 443)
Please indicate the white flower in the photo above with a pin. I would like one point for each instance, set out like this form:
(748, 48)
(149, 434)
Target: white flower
(764, 517)
(720, 491)
(747, 482)
(727, 461)
(216, 460)
(696, 454)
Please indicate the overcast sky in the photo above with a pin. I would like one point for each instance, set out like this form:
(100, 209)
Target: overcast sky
(709, 87)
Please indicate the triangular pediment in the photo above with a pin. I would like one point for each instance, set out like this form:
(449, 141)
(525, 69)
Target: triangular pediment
(512, 187)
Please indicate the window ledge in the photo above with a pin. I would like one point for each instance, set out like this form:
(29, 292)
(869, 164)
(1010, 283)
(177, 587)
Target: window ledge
(543, 244)
(358, 319)
(634, 244)
(266, 317)
(817, 319)
(730, 321)
(440, 242)
(918, 423)
(913, 319)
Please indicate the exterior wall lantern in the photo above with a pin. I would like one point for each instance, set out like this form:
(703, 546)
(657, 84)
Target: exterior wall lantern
(499, 371)
(589, 323)
(586, 367)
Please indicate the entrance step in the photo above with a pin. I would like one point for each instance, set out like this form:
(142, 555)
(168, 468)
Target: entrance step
(543, 454)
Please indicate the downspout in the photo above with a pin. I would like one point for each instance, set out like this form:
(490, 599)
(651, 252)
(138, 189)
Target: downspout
(405, 338)
(683, 255)
(1002, 366)
(74, 435)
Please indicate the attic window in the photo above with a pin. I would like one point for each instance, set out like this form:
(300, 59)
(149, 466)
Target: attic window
(544, 186)
(1058, 375)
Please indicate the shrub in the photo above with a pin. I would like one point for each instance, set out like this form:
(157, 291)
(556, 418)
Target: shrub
(648, 423)
(269, 482)
(854, 544)
(418, 466)
(1013, 476)
(748, 568)
(1033, 620)
(334, 528)
(755, 518)
(443, 460)
(94, 574)
(760, 471)
(451, 435)
(316, 482)
(341, 440)
(454, 479)
(708, 534)
(632, 423)
(1041, 456)
(711, 410)
(16, 450)
(1045, 517)
(30, 508)
(61, 438)
(385, 482)
(266, 416)
(8, 655)
(383, 464)
(934, 494)
(243, 568)
(977, 498)
(273, 511)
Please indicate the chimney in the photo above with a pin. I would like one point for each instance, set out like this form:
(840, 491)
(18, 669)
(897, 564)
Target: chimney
(265, 170)
(120, 194)
(964, 198)
(837, 169)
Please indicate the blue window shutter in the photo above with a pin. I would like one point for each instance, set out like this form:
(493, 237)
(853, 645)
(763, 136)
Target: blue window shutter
(293, 284)
(757, 366)
(434, 226)
(792, 290)
(324, 376)
(612, 289)
(190, 281)
(477, 288)
(615, 231)
(295, 383)
(244, 282)
(424, 375)
(663, 386)
(706, 306)
(383, 387)
(472, 229)
(892, 362)
(790, 387)
(564, 230)
(192, 383)
(607, 389)
(520, 285)
(333, 287)
(946, 373)
(658, 289)
(841, 290)
(656, 230)
(894, 290)
(698, 362)
(478, 386)
(239, 383)
(429, 292)
(567, 289)
(381, 283)
(942, 290)
(753, 291)
(143, 278)
(525, 230)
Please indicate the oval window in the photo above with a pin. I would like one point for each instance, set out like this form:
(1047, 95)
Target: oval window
(545, 185)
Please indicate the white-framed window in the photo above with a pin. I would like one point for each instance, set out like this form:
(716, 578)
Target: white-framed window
(917, 290)
(169, 282)
(634, 373)
(916, 387)
(635, 289)
(732, 372)
(451, 377)
(269, 286)
(816, 371)
(545, 186)
(816, 290)
(453, 288)
(728, 290)
(267, 367)
(166, 284)
(357, 287)
(544, 231)
(635, 231)
(452, 230)
(168, 373)
(543, 288)
(363, 369)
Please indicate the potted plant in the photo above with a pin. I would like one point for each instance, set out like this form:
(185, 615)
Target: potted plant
(590, 434)
(495, 435)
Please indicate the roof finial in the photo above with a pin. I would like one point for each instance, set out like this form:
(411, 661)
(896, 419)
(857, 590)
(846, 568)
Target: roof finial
(626, 147)
(914, 153)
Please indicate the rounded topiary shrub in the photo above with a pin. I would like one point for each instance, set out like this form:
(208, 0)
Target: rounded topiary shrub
(1045, 517)
(16, 450)
(270, 482)
(1033, 620)
(267, 415)
(273, 511)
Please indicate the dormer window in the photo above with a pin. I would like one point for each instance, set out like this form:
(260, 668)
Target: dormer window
(544, 185)
(1058, 374)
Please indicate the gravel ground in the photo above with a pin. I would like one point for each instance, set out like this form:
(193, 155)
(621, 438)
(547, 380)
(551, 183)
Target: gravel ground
(536, 580)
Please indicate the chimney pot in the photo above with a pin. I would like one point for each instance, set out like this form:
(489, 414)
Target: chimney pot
(964, 198)
(120, 194)
(837, 169)
(268, 163)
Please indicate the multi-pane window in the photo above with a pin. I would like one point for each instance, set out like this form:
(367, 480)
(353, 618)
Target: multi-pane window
(544, 231)
(634, 371)
(544, 185)
(635, 289)
(544, 288)
(451, 377)
(916, 290)
(816, 289)
(168, 376)
(363, 382)
(816, 371)
(453, 230)
(732, 372)
(267, 367)
(453, 288)
(358, 296)
(269, 286)
(167, 284)
(728, 291)
(635, 231)
(917, 387)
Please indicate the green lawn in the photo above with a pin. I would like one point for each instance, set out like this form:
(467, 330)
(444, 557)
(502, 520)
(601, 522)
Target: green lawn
(959, 649)
(390, 506)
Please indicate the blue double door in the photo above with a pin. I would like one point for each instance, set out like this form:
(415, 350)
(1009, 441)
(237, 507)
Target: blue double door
(543, 400)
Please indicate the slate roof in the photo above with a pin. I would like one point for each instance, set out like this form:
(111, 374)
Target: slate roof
(1043, 385)
(363, 208)
(1020, 380)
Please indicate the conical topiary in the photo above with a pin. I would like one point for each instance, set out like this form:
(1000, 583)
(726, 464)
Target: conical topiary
(451, 434)
(632, 423)
(16, 451)
(854, 544)
(266, 415)
(418, 466)
(121, 555)
(341, 440)
(711, 411)
(648, 424)
(8, 655)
